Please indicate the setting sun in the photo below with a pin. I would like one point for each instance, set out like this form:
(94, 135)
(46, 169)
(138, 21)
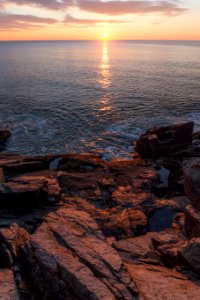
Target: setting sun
(105, 36)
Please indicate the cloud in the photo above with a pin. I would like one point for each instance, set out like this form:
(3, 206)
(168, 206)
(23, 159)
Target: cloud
(131, 7)
(116, 7)
(49, 4)
(18, 22)
(71, 20)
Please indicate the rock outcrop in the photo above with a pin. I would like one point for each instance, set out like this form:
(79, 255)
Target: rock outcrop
(77, 227)
(192, 190)
(163, 141)
(4, 135)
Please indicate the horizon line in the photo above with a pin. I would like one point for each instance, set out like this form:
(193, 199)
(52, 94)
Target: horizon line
(110, 40)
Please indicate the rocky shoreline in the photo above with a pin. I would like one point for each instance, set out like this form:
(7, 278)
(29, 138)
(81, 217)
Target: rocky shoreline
(76, 227)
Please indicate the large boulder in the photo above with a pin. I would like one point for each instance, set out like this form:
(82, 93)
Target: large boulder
(192, 182)
(4, 135)
(165, 140)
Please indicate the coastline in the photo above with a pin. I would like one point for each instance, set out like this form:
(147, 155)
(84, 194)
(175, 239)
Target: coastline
(77, 227)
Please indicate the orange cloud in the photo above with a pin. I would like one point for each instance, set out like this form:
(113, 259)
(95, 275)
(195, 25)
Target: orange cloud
(71, 20)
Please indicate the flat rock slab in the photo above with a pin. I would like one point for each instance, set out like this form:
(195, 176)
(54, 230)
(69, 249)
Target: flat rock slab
(69, 256)
(159, 283)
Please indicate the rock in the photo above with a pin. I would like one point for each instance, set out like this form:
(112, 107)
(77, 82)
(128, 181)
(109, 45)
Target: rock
(4, 135)
(2, 178)
(80, 163)
(23, 167)
(156, 283)
(163, 141)
(196, 135)
(130, 222)
(7, 286)
(167, 245)
(91, 186)
(46, 178)
(192, 182)
(14, 237)
(192, 222)
(69, 256)
(20, 196)
(137, 249)
(191, 254)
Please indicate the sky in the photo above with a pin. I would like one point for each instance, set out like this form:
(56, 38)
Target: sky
(89, 19)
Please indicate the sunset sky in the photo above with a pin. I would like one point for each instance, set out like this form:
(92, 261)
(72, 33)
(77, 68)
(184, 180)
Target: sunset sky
(89, 19)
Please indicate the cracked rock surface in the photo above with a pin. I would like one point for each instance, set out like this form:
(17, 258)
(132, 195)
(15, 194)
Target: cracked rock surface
(76, 227)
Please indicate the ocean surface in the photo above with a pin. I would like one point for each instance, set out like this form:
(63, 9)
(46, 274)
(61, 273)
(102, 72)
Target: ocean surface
(77, 96)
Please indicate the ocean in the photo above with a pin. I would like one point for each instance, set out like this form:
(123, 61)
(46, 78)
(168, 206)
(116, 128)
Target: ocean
(82, 96)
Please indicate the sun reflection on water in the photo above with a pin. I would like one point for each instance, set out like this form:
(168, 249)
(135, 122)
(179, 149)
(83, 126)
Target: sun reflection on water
(105, 78)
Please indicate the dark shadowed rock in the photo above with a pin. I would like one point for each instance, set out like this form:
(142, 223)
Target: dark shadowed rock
(2, 178)
(80, 163)
(163, 141)
(191, 254)
(23, 167)
(192, 182)
(4, 135)
(196, 135)
(192, 222)
(19, 195)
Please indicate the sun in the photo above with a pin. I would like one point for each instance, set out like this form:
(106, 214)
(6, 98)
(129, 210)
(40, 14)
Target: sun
(105, 36)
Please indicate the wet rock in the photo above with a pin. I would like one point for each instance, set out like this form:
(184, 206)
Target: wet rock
(69, 256)
(163, 141)
(155, 282)
(8, 289)
(192, 182)
(4, 135)
(192, 222)
(80, 163)
(191, 254)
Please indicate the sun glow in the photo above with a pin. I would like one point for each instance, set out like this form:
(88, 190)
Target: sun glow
(105, 36)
